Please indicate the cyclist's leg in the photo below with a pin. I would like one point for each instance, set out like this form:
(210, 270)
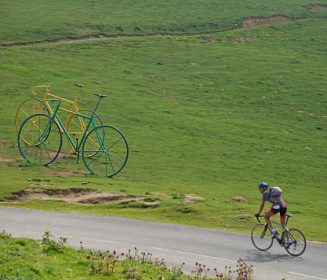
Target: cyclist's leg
(283, 210)
(283, 217)
(271, 212)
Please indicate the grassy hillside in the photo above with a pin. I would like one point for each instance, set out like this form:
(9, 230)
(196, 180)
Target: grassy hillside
(43, 19)
(210, 114)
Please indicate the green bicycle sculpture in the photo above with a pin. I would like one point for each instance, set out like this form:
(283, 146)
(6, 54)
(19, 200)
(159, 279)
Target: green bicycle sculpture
(104, 148)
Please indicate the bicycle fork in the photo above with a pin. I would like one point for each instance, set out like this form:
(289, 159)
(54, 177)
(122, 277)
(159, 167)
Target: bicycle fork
(264, 231)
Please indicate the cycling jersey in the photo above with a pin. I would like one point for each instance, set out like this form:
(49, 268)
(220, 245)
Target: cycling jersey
(269, 195)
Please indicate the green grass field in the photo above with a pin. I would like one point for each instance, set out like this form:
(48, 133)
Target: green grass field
(211, 114)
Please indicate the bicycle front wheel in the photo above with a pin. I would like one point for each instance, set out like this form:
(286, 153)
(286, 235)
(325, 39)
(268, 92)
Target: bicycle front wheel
(105, 151)
(29, 107)
(261, 237)
(294, 242)
(39, 139)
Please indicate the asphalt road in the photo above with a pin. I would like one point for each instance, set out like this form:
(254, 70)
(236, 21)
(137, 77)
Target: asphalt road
(176, 244)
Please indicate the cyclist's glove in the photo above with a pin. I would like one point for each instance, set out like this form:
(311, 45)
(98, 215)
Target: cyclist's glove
(257, 215)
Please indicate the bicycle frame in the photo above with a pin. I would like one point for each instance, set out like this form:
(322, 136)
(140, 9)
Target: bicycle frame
(91, 122)
(274, 222)
(284, 227)
(71, 104)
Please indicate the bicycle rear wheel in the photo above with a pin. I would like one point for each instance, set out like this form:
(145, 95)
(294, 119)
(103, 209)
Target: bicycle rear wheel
(105, 151)
(29, 107)
(39, 139)
(261, 237)
(294, 242)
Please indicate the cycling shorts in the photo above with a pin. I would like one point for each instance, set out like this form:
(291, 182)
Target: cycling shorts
(278, 208)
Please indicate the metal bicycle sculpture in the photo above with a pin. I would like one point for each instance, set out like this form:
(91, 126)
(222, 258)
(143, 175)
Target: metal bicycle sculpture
(104, 148)
(293, 240)
(74, 124)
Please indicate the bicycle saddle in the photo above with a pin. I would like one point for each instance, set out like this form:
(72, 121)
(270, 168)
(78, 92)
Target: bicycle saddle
(79, 85)
(100, 95)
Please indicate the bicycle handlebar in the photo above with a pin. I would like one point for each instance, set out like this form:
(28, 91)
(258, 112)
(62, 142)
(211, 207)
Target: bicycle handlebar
(257, 217)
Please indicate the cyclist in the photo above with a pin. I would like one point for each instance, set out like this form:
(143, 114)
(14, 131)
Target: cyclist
(272, 195)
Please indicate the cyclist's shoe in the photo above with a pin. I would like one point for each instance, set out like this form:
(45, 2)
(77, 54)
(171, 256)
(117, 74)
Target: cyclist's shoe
(274, 233)
(287, 243)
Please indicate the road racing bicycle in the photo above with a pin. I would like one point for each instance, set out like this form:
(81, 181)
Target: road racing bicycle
(293, 240)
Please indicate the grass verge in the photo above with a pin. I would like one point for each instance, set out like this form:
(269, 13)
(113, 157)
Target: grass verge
(22, 258)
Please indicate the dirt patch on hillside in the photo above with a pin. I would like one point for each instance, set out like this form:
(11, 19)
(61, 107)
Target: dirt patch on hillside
(3, 144)
(83, 38)
(189, 198)
(38, 183)
(88, 37)
(7, 160)
(73, 195)
(254, 21)
(242, 40)
(159, 194)
(239, 199)
(316, 6)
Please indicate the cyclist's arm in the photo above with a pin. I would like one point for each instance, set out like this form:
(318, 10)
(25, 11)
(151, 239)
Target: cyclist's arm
(262, 205)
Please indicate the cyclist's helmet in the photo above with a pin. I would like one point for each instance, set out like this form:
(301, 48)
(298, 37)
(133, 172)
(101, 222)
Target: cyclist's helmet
(263, 185)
